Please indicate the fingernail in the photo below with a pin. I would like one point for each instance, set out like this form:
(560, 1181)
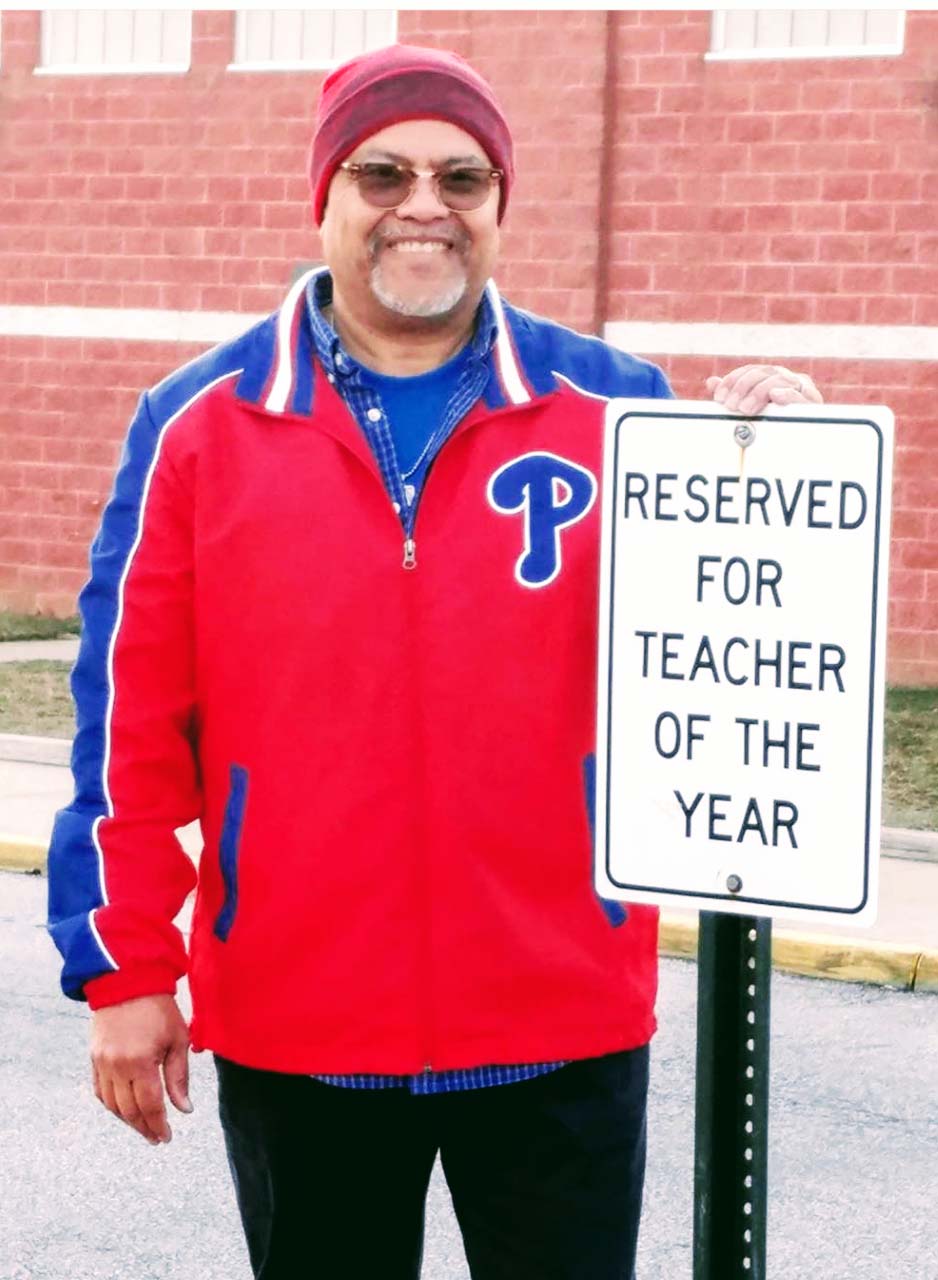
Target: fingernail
(187, 1106)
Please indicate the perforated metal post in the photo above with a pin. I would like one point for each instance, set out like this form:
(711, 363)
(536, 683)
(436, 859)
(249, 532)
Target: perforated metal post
(730, 1161)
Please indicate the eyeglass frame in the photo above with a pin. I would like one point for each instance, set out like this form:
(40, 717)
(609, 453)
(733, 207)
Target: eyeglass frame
(356, 167)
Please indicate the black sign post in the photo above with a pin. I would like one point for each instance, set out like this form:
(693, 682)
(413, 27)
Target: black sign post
(734, 958)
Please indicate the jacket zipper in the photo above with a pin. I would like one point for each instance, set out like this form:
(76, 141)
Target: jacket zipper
(409, 563)
(409, 520)
(422, 865)
(409, 560)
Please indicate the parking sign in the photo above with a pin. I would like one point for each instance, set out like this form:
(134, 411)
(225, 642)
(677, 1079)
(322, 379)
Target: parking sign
(741, 658)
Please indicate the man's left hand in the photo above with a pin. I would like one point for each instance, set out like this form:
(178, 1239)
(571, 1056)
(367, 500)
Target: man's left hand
(751, 387)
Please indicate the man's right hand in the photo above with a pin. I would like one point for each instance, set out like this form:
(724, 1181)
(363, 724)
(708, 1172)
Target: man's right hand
(130, 1044)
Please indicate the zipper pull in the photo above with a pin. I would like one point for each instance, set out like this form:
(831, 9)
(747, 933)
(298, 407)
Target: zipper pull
(410, 554)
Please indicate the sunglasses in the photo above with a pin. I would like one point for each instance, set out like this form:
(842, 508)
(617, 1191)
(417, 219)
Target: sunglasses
(386, 185)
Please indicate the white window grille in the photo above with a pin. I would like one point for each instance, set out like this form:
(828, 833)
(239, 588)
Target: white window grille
(84, 41)
(296, 39)
(806, 33)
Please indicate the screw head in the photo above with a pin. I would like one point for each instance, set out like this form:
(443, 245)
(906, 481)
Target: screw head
(744, 434)
(734, 884)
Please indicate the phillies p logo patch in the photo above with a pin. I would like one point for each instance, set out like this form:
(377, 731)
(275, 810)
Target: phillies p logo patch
(550, 493)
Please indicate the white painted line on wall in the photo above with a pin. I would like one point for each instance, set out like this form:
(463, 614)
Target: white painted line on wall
(891, 50)
(759, 341)
(766, 341)
(132, 324)
(112, 68)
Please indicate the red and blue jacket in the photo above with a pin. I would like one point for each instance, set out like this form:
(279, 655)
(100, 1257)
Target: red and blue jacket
(384, 738)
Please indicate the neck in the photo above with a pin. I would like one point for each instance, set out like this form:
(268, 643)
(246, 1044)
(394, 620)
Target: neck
(404, 346)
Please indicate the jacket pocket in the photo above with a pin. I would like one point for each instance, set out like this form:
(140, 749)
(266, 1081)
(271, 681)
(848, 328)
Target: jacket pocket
(229, 847)
(614, 911)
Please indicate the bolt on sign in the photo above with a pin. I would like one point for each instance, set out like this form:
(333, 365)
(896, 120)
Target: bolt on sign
(741, 658)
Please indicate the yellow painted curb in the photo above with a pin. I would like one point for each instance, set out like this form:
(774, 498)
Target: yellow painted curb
(926, 975)
(885, 964)
(677, 938)
(22, 855)
(825, 956)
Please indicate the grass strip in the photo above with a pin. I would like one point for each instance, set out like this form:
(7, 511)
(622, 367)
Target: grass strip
(910, 759)
(36, 626)
(35, 699)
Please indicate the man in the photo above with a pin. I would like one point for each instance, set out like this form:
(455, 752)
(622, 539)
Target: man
(343, 609)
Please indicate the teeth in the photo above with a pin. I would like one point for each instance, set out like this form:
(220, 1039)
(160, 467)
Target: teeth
(419, 246)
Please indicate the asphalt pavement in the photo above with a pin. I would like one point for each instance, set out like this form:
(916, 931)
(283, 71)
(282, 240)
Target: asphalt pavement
(853, 1131)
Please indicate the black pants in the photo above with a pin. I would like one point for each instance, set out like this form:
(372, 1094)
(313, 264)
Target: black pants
(545, 1175)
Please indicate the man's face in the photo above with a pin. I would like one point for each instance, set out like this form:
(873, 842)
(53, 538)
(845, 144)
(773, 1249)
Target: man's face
(421, 259)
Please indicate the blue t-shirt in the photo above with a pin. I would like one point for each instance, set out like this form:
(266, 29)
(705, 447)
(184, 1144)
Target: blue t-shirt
(414, 407)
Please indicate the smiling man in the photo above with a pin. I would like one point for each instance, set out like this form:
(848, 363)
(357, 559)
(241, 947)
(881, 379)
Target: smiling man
(396, 951)
(430, 270)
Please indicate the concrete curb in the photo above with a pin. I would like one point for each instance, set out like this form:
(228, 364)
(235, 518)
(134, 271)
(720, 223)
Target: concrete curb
(902, 842)
(26, 750)
(882, 964)
(65, 649)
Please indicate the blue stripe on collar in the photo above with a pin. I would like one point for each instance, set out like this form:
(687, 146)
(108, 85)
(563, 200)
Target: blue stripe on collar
(278, 373)
(259, 358)
(303, 379)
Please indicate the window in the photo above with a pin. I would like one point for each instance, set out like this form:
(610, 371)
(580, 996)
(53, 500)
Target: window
(806, 33)
(114, 40)
(287, 39)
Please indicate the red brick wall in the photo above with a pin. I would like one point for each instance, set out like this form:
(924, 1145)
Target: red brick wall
(59, 446)
(176, 191)
(774, 191)
(767, 192)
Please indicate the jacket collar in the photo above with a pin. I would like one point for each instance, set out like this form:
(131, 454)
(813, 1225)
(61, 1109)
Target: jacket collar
(278, 368)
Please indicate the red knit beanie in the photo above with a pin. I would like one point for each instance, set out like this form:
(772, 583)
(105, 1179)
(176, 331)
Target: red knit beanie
(402, 82)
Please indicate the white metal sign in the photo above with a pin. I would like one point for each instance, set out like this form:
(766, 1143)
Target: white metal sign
(741, 653)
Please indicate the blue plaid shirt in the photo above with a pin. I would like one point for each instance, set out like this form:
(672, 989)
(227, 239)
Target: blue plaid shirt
(351, 381)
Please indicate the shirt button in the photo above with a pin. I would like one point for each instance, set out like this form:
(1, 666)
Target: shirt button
(331, 377)
(397, 507)
(340, 360)
(409, 492)
(374, 415)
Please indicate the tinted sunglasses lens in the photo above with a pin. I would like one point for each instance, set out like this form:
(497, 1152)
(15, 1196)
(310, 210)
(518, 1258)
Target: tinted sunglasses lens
(464, 188)
(384, 185)
(388, 185)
